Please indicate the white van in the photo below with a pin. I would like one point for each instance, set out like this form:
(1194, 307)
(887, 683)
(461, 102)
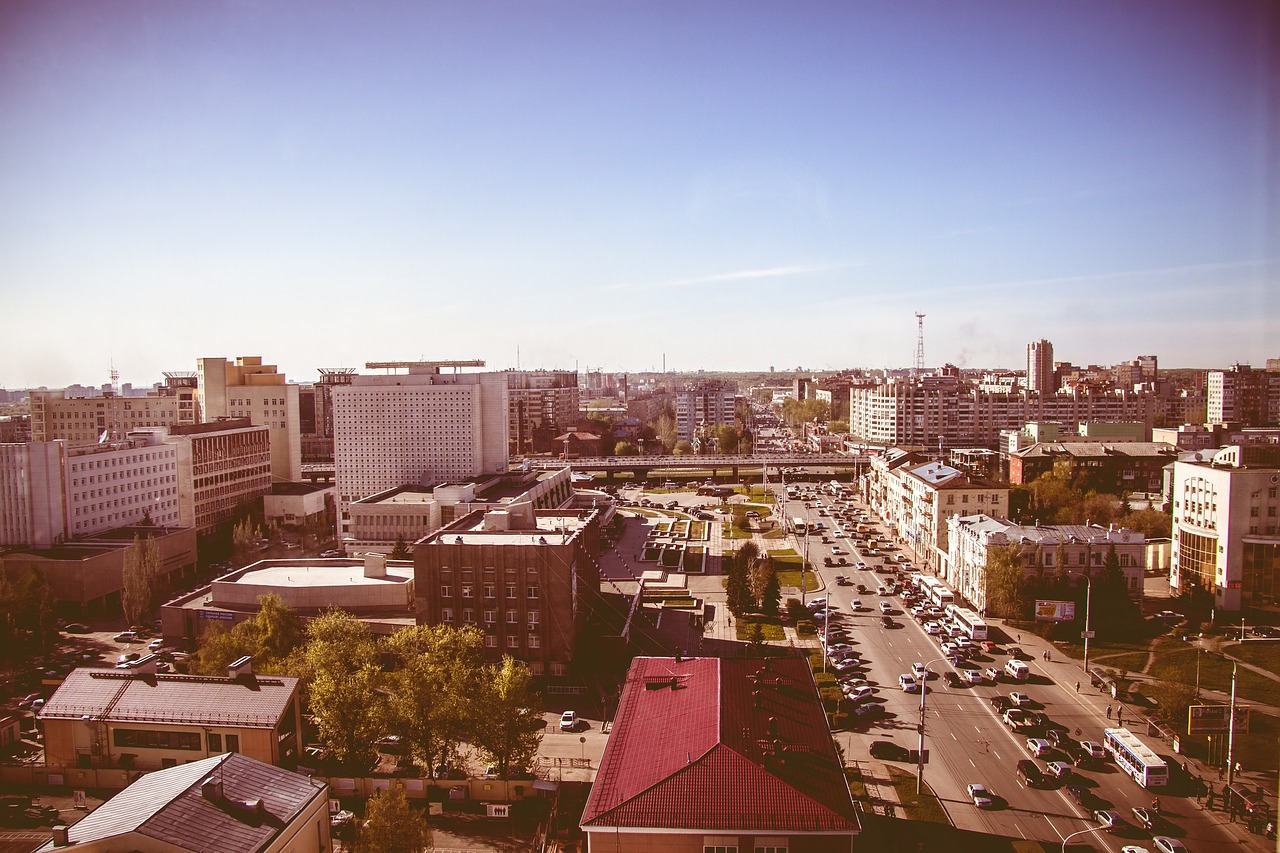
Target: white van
(1017, 670)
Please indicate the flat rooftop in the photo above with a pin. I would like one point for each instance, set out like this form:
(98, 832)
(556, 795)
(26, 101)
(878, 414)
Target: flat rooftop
(549, 530)
(319, 572)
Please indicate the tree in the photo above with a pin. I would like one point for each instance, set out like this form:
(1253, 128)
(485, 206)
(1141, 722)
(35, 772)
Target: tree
(837, 427)
(391, 825)
(1151, 523)
(433, 690)
(340, 667)
(141, 579)
(1114, 613)
(508, 716)
(682, 448)
(1174, 695)
(270, 636)
(771, 594)
(401, 549)
(726, 439)
(738, 584)
(625, 448)
(244, 538)
(756, 639)
(1006, 583)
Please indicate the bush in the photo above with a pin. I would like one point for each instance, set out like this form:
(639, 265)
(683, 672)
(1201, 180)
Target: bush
(796, 611)
(806, 628)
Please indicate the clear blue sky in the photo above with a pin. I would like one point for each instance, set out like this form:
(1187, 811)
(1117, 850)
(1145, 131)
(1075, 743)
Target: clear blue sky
(596, 184)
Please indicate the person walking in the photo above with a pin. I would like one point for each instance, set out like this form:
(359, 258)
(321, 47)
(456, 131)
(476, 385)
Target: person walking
(1119, 716)
(1077, 687)
(1108, 712)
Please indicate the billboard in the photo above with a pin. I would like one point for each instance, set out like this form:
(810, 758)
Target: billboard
(1212, 719)
(1055, 611)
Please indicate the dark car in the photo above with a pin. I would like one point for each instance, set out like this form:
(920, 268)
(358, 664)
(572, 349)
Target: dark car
(1260, 631)
(1079, 793)
(1079, 756)
(887, 750)
(76, 628)
(953, 678)
(1057, 737)
(1017, 653)
(1001, 703)
(887, 621)
(1029, 773)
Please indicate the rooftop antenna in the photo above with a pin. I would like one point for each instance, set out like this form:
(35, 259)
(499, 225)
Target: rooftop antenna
(919, 368)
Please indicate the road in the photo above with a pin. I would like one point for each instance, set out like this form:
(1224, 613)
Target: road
(968, 743)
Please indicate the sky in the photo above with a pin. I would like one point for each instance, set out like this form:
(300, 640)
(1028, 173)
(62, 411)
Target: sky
(628, 186)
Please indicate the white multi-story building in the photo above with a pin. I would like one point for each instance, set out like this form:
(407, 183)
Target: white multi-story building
(709, 403)
(1040, 374)
(1062, 550)
(53, 491)
(422, 427)
(247, 388)
(929, 411)
(1226, 525)
(222, 466)
(84, 420)
(915, 500)
(1243, 396)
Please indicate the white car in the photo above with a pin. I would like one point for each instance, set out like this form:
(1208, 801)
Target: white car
(816, 603)
(1094, 748)
(908, 683)
(569, 721)
(973, 676)
(932, 628)
(1019, 699)
(855, 605)
(981, 797)
(838, 551)
(858, 694)
(1165, 844)
(1038, 747)
(1058, 769)
(886, 607)
(920, 671)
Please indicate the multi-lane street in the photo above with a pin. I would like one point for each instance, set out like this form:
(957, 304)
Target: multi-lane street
(966, 739)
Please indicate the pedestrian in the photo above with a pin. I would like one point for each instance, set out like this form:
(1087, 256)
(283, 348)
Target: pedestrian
(1108, 712)
(1237, 766)
(1119, 716)
(1077, 687)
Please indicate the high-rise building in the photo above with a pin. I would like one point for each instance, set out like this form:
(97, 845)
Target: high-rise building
(315, 414)
(422, 427)
(1243, 396)
(705, 403)
(84, 420)
(51, 491)
(247, 388)
(542, 404)
(1040, 374)
(1226, 525)
(222, 466)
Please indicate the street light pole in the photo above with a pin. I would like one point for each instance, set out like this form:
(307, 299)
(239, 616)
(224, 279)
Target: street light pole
(804, 564)
(1231, 729)
(924, 688)
(1067, 840)
(1088, 599)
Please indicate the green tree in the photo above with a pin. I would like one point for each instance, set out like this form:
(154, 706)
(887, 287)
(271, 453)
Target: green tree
(682, 448)
(756, 639)
(391, 825)
(1007, 586)
(340, 667)
(1174, 695)
(625, 448)
(726, 439)
(433, 688)
(837, 427)
(1151, 523)
(401, 549)
(771, 594)
(738, 583)
(244, 538)
(141, 580)
(508, 722)
(270, 636)
(1115, 614)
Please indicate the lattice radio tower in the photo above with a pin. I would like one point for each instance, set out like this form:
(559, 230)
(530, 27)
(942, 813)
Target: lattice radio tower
(919, 368)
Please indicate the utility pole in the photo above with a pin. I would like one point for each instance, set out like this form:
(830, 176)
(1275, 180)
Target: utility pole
(1231, 728)
(1088, 599)
(804, 564)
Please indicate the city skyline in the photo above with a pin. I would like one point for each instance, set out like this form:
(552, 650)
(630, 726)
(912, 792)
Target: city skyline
(569, 185)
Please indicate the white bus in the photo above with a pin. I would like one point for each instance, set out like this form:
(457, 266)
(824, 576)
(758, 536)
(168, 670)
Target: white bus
(799, 526)
(937, 593)
(1135, 758)
(969, 622)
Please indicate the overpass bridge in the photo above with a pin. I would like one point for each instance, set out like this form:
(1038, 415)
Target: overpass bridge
(641, 465)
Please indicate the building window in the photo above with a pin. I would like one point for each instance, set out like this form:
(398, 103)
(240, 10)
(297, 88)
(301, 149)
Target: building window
(466, 590)
(490, 641)
(468, 616)
(488, 590)
(215, 743)
(533, 592)
(446, 615)
(772, 849)
(512, 617)
(513, 642)
(534, 641)
(446, 591)
(533, 617)
(490, 616)
(144, 739)
(511, 590)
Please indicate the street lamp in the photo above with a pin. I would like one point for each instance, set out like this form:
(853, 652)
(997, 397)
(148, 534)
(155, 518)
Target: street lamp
(924, 688)
(1067, 840)
(1088, 598)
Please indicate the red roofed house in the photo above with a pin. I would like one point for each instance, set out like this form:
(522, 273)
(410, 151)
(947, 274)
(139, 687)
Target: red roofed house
(724, 755)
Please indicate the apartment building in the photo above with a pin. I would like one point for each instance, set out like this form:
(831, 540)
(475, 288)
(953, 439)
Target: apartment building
(221, 467)
(1226, 525)
(706, 403)
(1041, 377)
(1243, 396)
(421, 427)
(916, 498)
(541, 404)
(929, 411)
(720, 754)
(52, 491)
(1062, 550)
(139, 719)
(1134, 466)
(526, 578)
(247, 388)
(83, 420)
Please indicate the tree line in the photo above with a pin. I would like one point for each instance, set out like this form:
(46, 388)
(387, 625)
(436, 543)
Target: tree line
(428, 685)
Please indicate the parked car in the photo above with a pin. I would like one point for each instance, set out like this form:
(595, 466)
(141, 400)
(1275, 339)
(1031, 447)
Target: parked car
(887, 750)
(126, 637)
(569, 721)
(76, 628)
(332, 552)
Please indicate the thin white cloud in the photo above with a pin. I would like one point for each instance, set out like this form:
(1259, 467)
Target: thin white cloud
(739, 275)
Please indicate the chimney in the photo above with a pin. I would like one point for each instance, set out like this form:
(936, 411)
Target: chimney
(375, 565)
(241, 669)
(60, 836)
(211, 790)
(145, 665)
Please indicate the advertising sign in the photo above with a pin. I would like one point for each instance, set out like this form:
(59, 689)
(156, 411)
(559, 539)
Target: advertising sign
(1212, 719)
(1055, 611)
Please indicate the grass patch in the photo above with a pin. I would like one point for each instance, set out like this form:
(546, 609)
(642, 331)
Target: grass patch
(1265, 655)
(779, 553)
(923, 806)
(776, 533)
(1174, 657)
(857, 788)
(731, 531)
(772, 630)
(792, 578)
(680, 603)
(1127, 661)
(1075, 648)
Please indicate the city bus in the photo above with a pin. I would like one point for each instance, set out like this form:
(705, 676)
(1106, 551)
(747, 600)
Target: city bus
(799, 526)
(937, 593)
(1135, 758)
(969, 622)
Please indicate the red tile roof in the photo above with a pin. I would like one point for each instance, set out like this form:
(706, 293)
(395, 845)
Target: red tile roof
(711, 744)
